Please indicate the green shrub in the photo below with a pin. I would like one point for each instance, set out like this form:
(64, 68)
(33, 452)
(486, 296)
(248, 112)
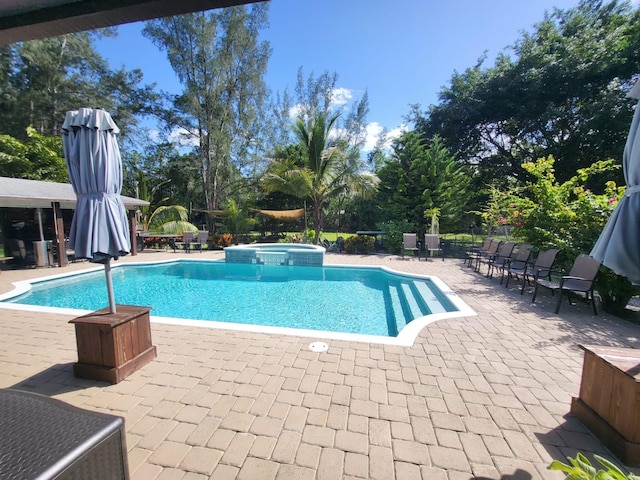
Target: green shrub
(359, 244)
(581, 469)
(393, 230)
(216, 240)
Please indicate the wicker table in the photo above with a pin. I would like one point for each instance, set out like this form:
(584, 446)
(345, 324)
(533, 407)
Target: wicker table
(45, 438)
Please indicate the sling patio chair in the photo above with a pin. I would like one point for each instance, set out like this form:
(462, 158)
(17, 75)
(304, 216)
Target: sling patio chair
(187, 240)
(410, 243)
(484, 255)
(472, 254)
(541, 268)
(432, 245)
(201, 239)
(581, 279)
(519, 260)
(500, 259)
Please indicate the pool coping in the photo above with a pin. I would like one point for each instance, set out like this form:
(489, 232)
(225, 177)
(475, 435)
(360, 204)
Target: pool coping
(405, 338)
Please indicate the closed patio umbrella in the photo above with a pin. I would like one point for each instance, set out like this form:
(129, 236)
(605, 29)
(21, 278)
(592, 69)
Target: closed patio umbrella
(99, 230)
(617, 247)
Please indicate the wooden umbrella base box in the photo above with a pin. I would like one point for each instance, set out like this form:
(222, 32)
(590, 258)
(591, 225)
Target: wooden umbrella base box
(111, 346)
(609, 401)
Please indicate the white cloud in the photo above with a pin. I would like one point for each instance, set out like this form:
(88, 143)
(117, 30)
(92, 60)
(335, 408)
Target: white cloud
(183, 138)
(375, 130)
(341, 96)
(154, 136)
(294, 112)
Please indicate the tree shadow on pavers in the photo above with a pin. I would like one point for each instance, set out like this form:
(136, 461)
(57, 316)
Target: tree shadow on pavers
(56, 380)
(519, 474)
(572, 437)
(577, 322)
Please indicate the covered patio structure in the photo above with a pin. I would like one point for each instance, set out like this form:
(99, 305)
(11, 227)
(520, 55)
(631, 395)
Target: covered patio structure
(32, 211)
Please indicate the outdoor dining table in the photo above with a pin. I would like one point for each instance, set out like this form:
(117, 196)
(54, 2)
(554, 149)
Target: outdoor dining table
(170, 238)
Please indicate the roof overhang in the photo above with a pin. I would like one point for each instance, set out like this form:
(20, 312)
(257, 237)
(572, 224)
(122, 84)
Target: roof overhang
(21, 193)
(22, 20)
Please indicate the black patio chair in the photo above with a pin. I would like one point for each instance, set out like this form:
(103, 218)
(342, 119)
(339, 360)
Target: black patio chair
(541, 268)
(518, 260)
(472, 254)
(491, 252)
(581, 279)
(501, 256)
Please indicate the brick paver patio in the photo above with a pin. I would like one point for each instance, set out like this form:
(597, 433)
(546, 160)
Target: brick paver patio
(482, 397)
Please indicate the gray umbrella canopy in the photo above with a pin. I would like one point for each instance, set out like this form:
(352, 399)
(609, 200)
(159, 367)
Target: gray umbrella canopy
(99, 230)
(618, 246)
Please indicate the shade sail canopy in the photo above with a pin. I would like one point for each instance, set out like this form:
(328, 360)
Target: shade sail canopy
(99, 230)
(287, 215)
(617, 247)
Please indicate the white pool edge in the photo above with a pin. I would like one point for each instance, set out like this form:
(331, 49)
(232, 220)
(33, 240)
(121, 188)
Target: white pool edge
(406, 337)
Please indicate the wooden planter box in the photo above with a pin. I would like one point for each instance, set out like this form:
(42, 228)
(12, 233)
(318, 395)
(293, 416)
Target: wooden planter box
(111, 346)
(609, 401)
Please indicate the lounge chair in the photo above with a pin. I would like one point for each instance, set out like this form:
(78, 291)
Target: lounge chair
(518, 261)
(501, 258)
(409, 242)
(432, 245)
(201, 239)
(581, 279)
(540, 269)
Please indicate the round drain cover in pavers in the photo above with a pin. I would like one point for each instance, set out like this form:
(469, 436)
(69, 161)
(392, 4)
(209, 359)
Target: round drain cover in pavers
(318, 347)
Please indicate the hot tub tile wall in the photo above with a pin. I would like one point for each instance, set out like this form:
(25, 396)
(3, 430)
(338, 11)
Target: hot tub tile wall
(306, 259)
(300, 257)
(240, 256)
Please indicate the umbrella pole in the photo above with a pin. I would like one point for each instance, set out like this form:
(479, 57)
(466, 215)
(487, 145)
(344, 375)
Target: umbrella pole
(107, 274)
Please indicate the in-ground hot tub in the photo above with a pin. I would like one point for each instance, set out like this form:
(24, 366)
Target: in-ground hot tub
(276, 254)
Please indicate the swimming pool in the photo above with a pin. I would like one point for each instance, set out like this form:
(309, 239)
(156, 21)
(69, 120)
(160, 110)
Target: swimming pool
(360, 303)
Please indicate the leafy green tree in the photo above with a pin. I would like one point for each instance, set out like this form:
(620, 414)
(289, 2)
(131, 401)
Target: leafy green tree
(236, 219)
(568, 216)
(325, 171)
(37, 158)
(221, 63)
(318, 95)
(562, 93)
(42, 79)
(419, 177)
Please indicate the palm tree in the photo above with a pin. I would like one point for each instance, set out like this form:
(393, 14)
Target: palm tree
(434, 215)
(328, 169)
(172, 219)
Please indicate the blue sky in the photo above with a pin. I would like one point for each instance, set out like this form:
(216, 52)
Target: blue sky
(401, 52)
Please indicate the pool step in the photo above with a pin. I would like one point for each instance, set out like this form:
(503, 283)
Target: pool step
(400, 318)
(433, 305)
(406, 303)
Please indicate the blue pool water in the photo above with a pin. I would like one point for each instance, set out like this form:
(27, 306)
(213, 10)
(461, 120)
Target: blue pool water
(338, 299)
